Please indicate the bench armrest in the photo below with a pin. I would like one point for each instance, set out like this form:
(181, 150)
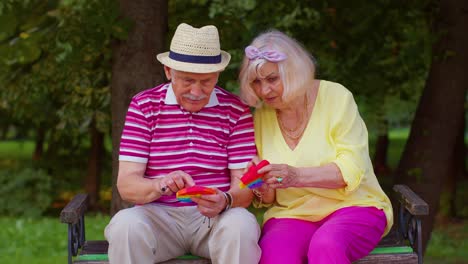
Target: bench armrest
(76, 208)
(411, 201)
(73, 215)
(411, 209)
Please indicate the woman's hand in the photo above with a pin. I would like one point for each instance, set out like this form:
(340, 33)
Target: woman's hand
(280, 176)
(255, 160)
(211, 205)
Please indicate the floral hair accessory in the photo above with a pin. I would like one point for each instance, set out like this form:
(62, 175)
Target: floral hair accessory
(254, 53)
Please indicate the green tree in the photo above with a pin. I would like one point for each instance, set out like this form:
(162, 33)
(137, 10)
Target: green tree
(135, 67)
(427, 158)
(55, 58)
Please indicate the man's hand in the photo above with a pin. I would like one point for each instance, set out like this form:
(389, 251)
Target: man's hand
(211, 205)
(175, 181)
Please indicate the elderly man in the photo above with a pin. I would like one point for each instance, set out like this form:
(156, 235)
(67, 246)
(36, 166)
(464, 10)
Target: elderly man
(180, 134)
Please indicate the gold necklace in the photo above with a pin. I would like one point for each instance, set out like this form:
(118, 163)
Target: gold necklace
(298, 130)
(294, 135)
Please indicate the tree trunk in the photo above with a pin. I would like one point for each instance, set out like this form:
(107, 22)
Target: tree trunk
(426, 159)
(458, 169)
(39, 143)
(93, 178)
(448, 202)
(381, 153)
(135, 68)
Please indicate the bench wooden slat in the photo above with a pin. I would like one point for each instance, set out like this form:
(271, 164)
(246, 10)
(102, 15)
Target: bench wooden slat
(99, 247)
(174, 261)
(95, 247)
(405, 258)
(91, 262)
(408, 258)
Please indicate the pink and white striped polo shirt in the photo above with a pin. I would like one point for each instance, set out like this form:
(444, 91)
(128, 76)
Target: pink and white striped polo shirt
(204, 144)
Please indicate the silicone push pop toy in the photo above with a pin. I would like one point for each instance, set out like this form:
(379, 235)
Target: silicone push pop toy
(185, 195)
(251, 178)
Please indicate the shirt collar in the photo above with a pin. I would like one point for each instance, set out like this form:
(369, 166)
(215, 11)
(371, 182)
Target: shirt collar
(172, 100)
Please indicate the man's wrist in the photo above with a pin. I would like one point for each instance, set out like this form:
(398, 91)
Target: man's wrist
(229, 201)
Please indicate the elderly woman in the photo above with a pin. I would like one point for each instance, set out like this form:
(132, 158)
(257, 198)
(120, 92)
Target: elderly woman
(325, 203)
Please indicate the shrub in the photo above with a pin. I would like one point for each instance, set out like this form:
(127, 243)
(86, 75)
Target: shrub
(26, 192)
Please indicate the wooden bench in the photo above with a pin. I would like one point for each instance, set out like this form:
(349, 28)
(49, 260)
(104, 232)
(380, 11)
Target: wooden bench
(401, 245)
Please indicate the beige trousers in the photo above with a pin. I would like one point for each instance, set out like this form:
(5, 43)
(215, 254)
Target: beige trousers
(154, 233)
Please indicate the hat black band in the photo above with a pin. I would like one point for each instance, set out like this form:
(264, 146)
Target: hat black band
(195, 58)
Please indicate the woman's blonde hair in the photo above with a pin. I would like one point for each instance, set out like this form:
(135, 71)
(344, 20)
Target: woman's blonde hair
(296, 72)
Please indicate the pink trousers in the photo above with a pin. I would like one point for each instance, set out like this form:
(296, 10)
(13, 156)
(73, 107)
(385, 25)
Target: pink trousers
(342, 237)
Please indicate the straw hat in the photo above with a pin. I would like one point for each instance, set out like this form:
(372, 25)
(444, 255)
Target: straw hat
(195, 50)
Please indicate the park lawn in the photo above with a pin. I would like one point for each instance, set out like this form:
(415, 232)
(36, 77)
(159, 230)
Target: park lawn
(448, 244)
(16, 149)
(15, 153)
(41, 240)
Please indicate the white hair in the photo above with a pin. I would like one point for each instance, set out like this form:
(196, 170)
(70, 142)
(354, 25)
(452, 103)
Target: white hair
(296, 72)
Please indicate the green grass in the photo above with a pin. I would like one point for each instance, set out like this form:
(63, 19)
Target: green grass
(448, 244)
(14, 154)
(41, 240)
(16, 149)
(399, 133)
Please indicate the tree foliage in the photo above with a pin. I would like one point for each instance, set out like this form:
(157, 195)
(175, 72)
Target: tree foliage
(56, 55)
(380, 50)
(55, 58)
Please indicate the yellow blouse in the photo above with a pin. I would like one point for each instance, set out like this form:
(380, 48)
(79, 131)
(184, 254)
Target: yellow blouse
(335, 133)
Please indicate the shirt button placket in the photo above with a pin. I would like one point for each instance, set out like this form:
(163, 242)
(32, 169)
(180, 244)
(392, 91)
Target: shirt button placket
(190, 130)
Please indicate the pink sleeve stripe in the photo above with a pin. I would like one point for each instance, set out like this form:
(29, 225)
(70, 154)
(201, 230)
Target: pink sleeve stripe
(176, 156)
(133, 148)
(241, 151)
(135, 141)
(136, 136)
(130, 131)
(243, 136)
(184, 144)
(133, 154)
(137, 123)
(199, 161)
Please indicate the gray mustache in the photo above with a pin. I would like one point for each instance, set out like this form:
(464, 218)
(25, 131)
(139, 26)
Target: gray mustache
(195, 98)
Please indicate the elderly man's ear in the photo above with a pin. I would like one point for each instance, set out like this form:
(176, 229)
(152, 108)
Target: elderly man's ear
(167, 72)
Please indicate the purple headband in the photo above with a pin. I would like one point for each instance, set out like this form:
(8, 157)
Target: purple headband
(254, 53)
